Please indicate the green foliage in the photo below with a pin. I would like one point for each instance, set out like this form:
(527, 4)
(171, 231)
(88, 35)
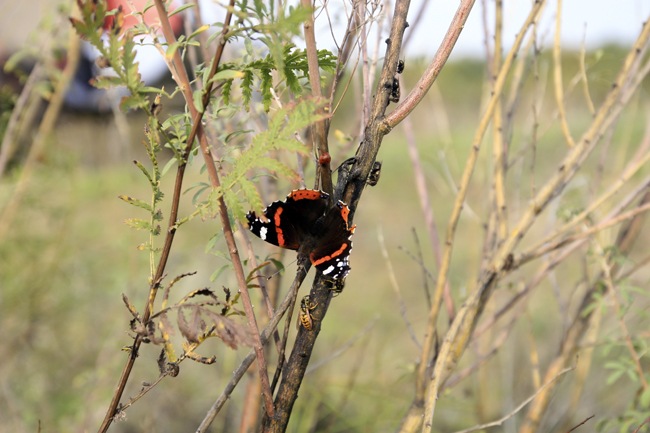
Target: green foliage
(118, 51)
(279, 136)
(7, 101)
(157, 195)
(293, 66)
(629, 421)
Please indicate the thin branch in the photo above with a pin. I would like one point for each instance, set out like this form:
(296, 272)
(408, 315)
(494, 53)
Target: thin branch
(18, 114)
(44, 129)
(642, 424)
(395, 284)
(319, 131)
(619, 313)
(246, 363)
(637, 164)
(434, 68)
(583, 76)
(173, 216)
(518, 408)
(499, 147)
(583, 423)
(426, 206)
(557, 76)
(460, 198)
(338, 352)
(501, 338)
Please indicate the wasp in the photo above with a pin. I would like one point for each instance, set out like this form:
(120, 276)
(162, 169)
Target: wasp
(338, 287)
(400, 67)
(305, 318)
(373, 177)
(395, 91)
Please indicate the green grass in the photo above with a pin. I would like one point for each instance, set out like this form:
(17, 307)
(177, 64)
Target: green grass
(68, 258)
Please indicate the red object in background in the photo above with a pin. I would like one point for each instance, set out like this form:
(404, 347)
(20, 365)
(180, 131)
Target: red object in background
(324, 159)
(150, 16)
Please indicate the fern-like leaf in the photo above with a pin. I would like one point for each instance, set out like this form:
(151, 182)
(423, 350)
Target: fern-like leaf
(247, 88)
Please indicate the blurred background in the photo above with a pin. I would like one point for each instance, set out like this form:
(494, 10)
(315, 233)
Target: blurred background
(66, 255)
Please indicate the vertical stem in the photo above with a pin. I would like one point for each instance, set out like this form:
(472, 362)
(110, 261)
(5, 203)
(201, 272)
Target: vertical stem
(499, 146)
(318, 129)
(557, 75)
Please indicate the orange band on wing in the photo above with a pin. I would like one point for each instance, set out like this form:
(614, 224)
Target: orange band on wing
(278, 230)
(331, 256)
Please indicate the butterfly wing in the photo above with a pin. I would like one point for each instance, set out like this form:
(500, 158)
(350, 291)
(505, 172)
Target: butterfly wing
(289, 222)
(332, 253)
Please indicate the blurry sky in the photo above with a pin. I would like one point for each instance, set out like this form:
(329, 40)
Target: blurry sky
(606, 21)
(597, 21)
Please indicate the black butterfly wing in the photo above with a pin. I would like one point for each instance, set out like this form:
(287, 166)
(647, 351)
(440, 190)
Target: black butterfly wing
(289, 222)
(332, 253)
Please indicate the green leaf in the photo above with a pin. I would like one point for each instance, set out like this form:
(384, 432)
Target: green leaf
(278, 264)
(218, 272)
(194, 185)
(614, 377)
(247, 90)
(225, 91)
(138, 224)
(133, 80)
(292, 82)
(136, 202)
(198, 31)
(105, 82)
(226, 74)
(197, 194)
(250, 193)
(148, 89)
(291, 145)
(644, 401)
(144, 170)
(248, 44)
(275, 166)
(169, 165)
(181, 9)
(232, 201)
(232, 135)
(197, 97)
(135, 101)
(18, 56)
(222, 255)
(265, 87)
(211, 242)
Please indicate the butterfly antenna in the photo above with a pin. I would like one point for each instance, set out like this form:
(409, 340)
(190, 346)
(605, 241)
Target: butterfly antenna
(278, 271)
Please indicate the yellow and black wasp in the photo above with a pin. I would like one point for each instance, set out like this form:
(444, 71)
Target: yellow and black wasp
(338, 287)
(305, 318)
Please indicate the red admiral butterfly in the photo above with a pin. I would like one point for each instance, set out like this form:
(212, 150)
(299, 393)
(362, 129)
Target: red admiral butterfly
(304, 223)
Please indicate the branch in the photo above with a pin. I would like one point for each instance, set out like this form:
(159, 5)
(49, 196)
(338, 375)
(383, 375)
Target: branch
(557, 76)
(319, 131)
(354, 184)
(173, 215)
(184, 83)
(246, 363)
(434, 68)
(458, 205)
(518, 408)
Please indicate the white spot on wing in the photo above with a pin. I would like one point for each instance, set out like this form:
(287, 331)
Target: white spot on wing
(329, 270)
(263, 231)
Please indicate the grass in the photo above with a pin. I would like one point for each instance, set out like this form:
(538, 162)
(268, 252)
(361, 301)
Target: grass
(69, 257)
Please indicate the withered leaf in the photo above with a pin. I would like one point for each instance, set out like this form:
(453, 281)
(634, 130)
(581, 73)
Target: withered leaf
(131, 308)
(185, 329)
(161, 361)
(202, 359)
